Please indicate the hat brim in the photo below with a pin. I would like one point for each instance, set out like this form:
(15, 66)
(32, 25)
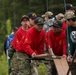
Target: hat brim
(56, 26)
(33, 17)
(26, 18)
(70, 18)
(15, 28)
(42, 23)
(73, 8)
(43, 15)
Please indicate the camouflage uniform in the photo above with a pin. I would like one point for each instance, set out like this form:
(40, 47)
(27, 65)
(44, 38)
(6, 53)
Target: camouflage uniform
(20, 66)
(10, 53)
(48, 20)
(48, 24)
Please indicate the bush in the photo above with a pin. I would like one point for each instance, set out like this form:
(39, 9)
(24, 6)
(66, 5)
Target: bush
(42, 69)
(3, 65)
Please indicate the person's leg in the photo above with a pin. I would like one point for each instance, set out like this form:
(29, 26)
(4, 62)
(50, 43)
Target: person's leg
(20, 66)
(10, 52)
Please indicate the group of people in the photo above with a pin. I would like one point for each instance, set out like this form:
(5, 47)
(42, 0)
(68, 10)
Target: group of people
(56, 34)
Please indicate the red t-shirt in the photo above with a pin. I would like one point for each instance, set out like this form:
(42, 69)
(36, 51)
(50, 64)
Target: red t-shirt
(32, 42)
(57, 43)
(18, 36)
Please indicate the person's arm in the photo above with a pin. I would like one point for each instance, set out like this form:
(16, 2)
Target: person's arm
(41, 44)
(48, 44)
(51, 51)
(7, 43)
(27, 45)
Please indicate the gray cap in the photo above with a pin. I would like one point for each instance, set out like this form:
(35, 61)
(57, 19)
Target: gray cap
(59, 16)
(69, 15)
(48, 13)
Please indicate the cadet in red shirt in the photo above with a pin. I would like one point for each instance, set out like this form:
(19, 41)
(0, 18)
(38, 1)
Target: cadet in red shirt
(55, 40)
(21, 31)
(19, 35)
(33, 43)
(30, 45)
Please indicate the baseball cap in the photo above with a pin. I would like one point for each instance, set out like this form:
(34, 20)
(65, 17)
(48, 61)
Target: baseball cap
(70, 15)
(74, 7)
(15, 28)
(24, 17)
(39, 21)
(57, 23)
(59, 16)
(48, 13)
(69, 7)
(32, 15)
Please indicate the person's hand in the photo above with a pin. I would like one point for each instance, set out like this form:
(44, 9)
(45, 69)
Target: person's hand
(69, 59)
(51, 52)
(33, 55)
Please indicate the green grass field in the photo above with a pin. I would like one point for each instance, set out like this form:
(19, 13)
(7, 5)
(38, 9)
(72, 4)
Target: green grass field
(3, 65)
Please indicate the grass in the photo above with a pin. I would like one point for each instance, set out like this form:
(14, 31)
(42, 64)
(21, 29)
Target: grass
(3, 65)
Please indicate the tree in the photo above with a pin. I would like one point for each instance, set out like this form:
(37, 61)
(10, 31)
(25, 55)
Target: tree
(8, 26)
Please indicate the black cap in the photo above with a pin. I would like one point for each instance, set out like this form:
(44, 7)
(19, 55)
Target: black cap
(32, 15)
(74, 8)
(57, 23)
(69, 7)
(15, 28)
(24, 17)
(39, 21)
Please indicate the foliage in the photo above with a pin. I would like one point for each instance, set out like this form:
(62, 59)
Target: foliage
(3, 65)
(42, 69)
(8, 26)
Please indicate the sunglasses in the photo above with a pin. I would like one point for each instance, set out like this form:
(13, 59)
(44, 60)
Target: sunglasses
(68, 19)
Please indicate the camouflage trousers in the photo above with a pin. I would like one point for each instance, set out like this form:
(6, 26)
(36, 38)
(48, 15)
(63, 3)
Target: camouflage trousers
(20, 66)
(10, 53)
